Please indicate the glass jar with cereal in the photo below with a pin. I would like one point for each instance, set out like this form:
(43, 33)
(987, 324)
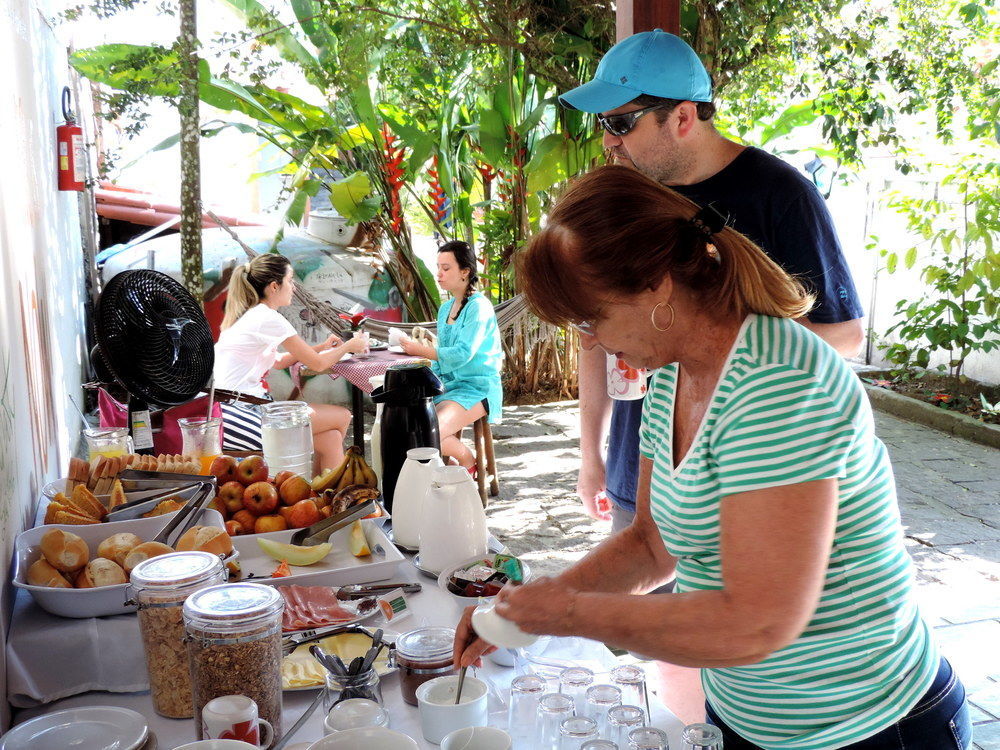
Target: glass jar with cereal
(160, 585)
(234, 644)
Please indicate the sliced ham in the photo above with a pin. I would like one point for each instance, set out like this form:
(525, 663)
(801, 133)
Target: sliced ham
(312, 607)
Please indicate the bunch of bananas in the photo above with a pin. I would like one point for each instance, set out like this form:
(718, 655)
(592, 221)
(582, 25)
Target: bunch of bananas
(353, 471)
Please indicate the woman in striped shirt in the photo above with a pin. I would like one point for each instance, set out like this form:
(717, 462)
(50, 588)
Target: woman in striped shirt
(763, 488)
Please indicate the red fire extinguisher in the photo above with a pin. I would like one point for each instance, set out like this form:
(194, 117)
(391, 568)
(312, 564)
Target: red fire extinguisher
(69, 137)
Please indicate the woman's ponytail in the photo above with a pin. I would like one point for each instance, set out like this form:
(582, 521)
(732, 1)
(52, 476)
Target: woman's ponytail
(248, 282)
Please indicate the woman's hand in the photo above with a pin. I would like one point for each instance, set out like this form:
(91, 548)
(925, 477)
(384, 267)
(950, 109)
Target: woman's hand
(331, 341)
(469, 648)
(546, 606)
(358, 344)
(411, 346)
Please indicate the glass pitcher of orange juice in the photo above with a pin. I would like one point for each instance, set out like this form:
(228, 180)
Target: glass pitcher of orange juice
(109, 442)
(202, 439)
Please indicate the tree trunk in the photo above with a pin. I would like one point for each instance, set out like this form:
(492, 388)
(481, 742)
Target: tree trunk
(187, 46)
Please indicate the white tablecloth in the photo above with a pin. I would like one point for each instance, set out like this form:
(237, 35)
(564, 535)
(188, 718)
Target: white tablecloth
(49, 655)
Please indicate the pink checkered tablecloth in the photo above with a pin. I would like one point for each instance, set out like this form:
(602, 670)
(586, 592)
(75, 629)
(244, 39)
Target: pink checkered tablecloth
(358, 369)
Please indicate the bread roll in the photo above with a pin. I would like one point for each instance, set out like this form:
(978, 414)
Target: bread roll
(143, 552)
(100, 572)
(41, 573)
(116, 546)
(206, 539)
(64, 550)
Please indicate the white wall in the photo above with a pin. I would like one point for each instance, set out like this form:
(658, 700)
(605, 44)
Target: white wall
(41, 280)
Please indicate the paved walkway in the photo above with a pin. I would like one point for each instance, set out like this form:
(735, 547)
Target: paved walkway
(949, 493)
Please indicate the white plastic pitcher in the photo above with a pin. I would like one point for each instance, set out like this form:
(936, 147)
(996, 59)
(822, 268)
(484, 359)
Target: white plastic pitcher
(408, 499)
(453, 524)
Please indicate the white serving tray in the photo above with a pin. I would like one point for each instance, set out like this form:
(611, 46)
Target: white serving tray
(339, 568)
(98, 602)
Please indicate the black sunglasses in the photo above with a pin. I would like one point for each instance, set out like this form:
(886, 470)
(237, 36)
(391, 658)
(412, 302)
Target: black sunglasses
(619, 125)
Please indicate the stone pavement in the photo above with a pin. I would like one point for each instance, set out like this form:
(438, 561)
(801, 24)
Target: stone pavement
(949, 494)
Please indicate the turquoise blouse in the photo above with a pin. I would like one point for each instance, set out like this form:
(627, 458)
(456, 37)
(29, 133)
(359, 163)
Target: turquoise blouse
(469, 356)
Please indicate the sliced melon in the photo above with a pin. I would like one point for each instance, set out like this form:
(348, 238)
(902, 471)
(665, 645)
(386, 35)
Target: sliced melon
(294, 554)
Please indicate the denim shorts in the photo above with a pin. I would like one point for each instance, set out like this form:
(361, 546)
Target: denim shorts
(939, 721)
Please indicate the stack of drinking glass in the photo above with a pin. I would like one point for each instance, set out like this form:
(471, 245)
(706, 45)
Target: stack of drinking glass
(581, 714)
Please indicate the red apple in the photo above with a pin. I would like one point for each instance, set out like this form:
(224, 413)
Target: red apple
(252, 469)
(235, 528)
(269, 523)
(260, 498)
(224, 469)
(294, 489)
(303, 513)
(246, 519)
(216, 503)
(284, 512)
(282, 476)
(231, 494)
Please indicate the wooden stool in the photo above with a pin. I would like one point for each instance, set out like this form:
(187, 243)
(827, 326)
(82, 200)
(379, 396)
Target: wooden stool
(486, 466)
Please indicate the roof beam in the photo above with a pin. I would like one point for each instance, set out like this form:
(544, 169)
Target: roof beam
(634, 16)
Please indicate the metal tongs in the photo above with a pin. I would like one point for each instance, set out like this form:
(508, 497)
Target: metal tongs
(187, 516)
(319, 532)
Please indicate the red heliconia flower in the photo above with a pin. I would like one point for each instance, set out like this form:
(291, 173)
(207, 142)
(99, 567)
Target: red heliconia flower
(438, 196)
(393, 152)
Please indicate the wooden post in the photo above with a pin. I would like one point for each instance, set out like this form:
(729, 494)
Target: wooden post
(634, 16)
(187, 47)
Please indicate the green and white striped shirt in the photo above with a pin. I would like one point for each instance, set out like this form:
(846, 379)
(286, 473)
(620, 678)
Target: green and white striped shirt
(787, 409)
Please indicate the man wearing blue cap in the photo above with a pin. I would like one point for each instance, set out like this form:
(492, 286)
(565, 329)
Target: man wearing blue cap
(653, 97)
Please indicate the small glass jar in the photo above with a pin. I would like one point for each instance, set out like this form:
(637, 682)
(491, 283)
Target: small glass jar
(201, 439)
(110, 442)
(234, 646)
(422, 655)
(339, 688)
(159, 586)
(701, 737)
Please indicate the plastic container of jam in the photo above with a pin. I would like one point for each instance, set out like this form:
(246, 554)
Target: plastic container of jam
(422, 655)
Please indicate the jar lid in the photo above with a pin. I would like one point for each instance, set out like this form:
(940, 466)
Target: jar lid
(426, 643)
(176, 569)
(234, 602)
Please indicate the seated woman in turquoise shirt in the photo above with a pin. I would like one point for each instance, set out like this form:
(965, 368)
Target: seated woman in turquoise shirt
(468, 356)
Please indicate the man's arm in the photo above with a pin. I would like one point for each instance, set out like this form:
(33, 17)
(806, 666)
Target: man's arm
(847, 337)
(595, 417)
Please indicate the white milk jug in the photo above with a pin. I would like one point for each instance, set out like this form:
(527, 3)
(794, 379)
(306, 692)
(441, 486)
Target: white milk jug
(453, 527)
(408, 498)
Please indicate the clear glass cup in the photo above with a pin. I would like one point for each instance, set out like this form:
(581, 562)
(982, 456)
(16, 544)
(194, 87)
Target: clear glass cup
(339, 688)
(601, 699)
(110, 442)
(647, 738)
(701, 737)
(576, 730)
(524, 694)
(599, 745)
(622, 720)
(574, 681)
(631, 679)
(286, 436)
(553, 708)
(201, 439)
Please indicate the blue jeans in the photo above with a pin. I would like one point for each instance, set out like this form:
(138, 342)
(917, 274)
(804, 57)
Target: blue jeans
(939, 721)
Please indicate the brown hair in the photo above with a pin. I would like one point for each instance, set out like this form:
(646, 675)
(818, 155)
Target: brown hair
(705, 110)
(617, 232)
(248, 282)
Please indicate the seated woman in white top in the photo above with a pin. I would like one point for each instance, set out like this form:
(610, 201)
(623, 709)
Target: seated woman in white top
(252, 331)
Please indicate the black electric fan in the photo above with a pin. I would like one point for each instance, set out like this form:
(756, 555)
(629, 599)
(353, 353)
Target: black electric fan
(154, 339)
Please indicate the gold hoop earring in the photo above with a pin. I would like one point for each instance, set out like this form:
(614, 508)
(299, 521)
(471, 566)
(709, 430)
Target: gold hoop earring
(652, 316)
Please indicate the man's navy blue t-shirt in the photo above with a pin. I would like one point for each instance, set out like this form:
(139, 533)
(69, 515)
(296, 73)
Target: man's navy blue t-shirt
(783, 213)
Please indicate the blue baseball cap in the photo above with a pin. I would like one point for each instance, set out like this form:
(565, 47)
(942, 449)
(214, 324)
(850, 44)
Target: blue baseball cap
(651, 62)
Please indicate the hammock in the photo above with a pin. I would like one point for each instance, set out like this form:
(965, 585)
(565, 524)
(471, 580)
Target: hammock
(508, 313)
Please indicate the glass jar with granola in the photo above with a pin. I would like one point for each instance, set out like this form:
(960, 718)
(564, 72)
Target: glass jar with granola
(160, 585)
(234, 645)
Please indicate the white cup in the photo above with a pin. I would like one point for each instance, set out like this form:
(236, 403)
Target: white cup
(234, 717)
(497, 630)
(440, 715)
(395, 337)
(477, 738)
(625, 383)
(217, 745)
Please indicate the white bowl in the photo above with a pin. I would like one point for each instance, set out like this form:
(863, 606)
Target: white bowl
(106, 600)
(447, 572)
(364, 737)
(477, 738)
(440, 715)
(217, 745)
